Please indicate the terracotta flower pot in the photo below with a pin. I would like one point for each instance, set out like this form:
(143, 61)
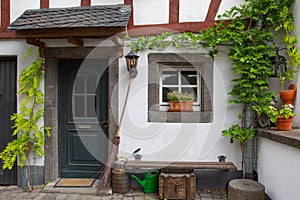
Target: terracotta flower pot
(283, 124)
(288, 96)
(182, 106)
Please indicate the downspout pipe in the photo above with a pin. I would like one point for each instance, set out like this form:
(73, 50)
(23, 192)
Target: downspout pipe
(250, 147)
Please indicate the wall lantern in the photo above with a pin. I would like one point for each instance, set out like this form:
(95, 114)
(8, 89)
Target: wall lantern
(278, 64)
(131, 61)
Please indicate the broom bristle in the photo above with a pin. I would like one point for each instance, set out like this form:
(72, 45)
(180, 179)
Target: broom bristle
(106, 175)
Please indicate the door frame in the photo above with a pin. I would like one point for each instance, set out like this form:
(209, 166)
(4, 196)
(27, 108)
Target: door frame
(52, 55)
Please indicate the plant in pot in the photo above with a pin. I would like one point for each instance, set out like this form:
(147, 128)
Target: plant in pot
(180, 102)
(283, 117)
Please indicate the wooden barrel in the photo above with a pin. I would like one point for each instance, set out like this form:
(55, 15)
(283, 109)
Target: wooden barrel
(120, 181)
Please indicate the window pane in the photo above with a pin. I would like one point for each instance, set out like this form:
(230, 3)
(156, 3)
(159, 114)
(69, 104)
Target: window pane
(79, 85)
(169, 78)
(79, 106)
(91, 112)
(91, 84)
(192, 90)
(188, 77)
(165, 91)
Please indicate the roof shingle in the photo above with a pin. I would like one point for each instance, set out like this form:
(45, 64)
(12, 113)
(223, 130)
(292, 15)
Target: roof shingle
(87, 16)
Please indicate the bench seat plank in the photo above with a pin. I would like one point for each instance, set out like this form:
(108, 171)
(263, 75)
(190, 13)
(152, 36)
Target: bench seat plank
(180, 165)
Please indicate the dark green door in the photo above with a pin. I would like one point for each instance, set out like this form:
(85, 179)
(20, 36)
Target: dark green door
(7, 108)
(83, 114)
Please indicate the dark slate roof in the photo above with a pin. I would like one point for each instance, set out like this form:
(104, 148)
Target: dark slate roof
(87, 16)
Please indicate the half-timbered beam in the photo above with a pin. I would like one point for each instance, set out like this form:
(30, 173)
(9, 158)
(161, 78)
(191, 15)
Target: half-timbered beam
(213, 10)
(44, 4)
(85, 2)
(173, 11)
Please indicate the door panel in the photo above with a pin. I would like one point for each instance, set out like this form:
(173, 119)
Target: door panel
(7, 108)
(83, 113)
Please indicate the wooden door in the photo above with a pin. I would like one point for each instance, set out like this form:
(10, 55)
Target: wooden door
(7, 108)
(83, 108)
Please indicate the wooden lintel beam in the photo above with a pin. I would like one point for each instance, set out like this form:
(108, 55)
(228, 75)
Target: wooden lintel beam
(57, 33)
(76, 41)
(35, 42)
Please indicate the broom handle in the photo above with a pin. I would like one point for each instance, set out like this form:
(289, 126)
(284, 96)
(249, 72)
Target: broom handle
(123, 110)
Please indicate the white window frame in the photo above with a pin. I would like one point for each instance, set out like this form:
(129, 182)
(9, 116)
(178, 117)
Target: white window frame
(85, 94)
(165, 105)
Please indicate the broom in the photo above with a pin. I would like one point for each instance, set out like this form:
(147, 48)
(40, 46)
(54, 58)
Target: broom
(106, 175)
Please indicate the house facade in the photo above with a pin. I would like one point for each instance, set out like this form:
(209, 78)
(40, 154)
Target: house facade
(86, 80)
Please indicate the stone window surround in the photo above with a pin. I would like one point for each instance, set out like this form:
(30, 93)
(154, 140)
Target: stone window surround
(52, 55)
(204, 65)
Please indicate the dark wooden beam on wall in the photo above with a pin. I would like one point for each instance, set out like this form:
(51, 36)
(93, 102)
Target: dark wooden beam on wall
(44, 4)
(213, 10)
(85, 2)
(76, 41)
(5, 14)
(173, 11)
(130, 2)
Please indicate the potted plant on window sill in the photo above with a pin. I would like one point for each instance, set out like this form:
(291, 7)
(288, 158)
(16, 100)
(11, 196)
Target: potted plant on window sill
(180, 102)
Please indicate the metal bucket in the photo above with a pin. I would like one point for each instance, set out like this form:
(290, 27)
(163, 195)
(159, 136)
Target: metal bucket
(120, 181)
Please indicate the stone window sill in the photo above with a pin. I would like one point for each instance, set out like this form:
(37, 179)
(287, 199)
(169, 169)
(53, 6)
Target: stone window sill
(180, 117)
(290, 138)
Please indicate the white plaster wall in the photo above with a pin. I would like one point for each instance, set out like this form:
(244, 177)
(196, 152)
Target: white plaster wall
(106, 2)
(65, 3)
(278, 169)
(177, 141)
(296, 7)
(17, 7)
(151, 12)
(19, 48)
(226, 5)
(193, 10)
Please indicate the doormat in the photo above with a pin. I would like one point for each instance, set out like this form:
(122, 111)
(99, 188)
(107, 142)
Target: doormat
(75, 182)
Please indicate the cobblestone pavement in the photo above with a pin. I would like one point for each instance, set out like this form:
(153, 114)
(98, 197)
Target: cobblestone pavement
(17, 193)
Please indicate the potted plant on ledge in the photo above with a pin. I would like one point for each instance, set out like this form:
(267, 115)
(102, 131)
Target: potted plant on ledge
(180, 102)
(283, 118)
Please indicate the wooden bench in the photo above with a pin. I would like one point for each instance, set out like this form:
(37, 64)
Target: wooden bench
(177, 180)
(179, 165)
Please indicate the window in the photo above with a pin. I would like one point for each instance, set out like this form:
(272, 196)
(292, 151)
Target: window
(188, 72)
(182, 79)
(84, 97)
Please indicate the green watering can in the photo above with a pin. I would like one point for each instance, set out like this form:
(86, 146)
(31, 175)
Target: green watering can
(149, 183)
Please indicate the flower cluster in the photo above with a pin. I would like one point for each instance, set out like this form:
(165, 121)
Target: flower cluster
(273, 113)
(286, 111)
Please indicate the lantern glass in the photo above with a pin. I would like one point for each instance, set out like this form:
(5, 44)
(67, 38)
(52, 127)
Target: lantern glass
(131, 60)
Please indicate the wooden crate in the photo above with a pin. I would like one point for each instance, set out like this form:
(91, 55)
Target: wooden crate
(177, 185)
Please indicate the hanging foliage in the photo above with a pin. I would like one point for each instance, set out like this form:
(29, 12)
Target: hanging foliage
(30, 135)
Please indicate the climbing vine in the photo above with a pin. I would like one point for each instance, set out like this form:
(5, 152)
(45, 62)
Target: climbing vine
(253, 32)
(30, 135)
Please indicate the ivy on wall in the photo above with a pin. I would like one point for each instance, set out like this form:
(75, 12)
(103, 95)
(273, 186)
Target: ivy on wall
(253, 32)
(30, 135)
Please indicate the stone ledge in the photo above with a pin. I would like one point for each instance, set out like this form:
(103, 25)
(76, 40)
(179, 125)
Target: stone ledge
(290, 138)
